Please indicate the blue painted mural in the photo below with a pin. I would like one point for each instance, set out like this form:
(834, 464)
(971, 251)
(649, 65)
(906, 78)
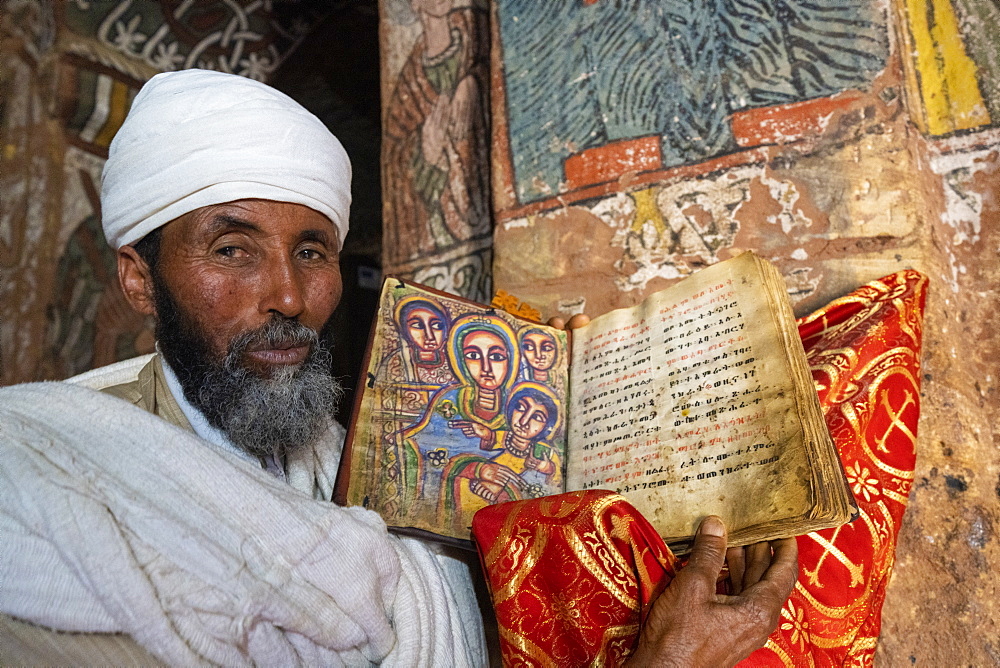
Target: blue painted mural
(581, 74)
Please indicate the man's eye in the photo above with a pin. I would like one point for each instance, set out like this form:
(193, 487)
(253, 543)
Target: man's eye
(230, 251)
(498, 357)
(310, 254)
(473, 355)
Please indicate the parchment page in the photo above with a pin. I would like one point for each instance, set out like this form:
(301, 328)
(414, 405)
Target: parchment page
(684, 405)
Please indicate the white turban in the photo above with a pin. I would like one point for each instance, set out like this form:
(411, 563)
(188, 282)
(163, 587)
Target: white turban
(195, 138)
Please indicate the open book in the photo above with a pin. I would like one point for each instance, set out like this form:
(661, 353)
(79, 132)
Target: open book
(697, 401)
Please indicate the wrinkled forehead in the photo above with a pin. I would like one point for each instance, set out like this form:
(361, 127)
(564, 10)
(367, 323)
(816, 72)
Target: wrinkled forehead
(287, 221)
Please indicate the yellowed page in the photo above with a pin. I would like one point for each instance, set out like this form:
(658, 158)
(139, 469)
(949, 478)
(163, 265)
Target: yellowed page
(684, 404)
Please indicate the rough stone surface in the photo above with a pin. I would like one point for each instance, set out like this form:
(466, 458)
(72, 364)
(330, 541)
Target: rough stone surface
(941, 606)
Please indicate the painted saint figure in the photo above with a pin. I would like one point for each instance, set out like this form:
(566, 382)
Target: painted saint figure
(435, 155)
(522, 461)
(540, 350)
(423, 325)
(484, 358)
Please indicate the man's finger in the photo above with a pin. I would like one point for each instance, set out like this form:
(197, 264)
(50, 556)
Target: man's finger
(774, 588)
(708, 552)
(784, 568)
(758, 559)
(578, 320)
(735, 560)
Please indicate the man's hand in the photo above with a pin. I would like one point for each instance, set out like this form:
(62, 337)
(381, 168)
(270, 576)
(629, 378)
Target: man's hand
(578, 320)
(690, 625)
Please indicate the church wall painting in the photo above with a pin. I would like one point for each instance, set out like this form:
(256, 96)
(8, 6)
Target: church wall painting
(435, 154)
(663, 128)
(594, 90)
(952, 68)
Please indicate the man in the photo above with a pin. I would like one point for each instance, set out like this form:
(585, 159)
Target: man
(228, 205)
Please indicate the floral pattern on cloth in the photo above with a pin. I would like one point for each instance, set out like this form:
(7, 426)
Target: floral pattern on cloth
(572, 576)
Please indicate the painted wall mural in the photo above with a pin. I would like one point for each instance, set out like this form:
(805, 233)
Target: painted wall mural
(952, 71)
(435, 156)
(68, 73)
(596, 89)
(649, 125)
(248, 38)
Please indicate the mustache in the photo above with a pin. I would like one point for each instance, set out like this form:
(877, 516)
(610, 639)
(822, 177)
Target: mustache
(279, 332)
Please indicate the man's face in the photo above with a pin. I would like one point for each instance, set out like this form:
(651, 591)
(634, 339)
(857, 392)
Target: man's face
(231, 268)
(242, 293)
(539, 351)
(487, 358)
(425, 329)
(529, 418)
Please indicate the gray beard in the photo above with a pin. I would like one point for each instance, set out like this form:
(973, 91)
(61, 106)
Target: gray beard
(260, 415)
(286, 411)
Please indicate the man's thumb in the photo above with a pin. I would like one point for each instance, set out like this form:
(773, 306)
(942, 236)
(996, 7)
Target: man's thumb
(709, 550)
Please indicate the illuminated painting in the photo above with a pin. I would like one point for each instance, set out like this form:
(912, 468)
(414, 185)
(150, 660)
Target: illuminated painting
(466, 408)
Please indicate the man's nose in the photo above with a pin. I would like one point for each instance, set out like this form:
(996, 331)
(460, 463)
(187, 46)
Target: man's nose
(487, 364)
(283, 290)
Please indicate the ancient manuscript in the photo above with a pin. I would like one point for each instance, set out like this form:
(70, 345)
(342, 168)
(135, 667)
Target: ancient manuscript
(697, 401)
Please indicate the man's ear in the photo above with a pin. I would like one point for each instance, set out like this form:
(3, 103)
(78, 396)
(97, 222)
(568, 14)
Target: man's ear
(136, 280)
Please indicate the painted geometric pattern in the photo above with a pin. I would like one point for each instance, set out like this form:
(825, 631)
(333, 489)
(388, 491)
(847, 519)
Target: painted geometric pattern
(245, 37)
(137, 39)
(95, 100)
(583, 75)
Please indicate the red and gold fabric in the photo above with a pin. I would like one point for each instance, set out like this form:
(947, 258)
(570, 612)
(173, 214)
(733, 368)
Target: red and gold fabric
(572, 576)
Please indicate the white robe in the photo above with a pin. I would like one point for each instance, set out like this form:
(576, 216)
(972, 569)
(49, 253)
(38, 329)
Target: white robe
(112, 520)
